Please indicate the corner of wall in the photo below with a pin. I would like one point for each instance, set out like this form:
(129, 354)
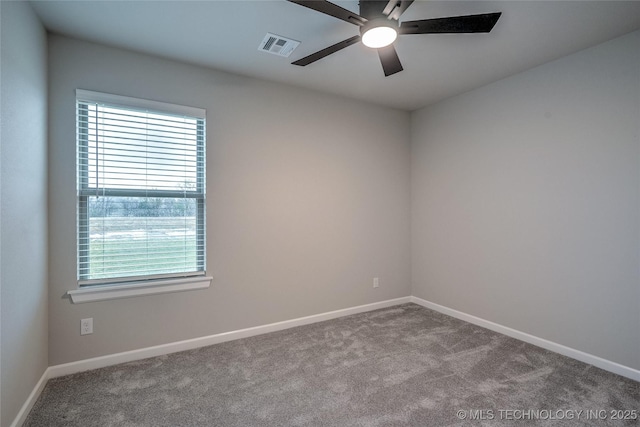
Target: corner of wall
(24, 249)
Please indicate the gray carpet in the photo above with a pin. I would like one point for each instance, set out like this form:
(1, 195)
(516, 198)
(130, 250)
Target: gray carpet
(404, 365)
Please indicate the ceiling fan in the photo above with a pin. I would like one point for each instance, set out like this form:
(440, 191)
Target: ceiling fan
(379, 26)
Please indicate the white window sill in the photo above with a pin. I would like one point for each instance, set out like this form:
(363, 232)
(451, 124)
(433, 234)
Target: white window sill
(108, 292)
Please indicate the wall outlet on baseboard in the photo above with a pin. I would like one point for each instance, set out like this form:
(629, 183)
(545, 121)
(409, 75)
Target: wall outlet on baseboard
(376, 282)
(86, 326)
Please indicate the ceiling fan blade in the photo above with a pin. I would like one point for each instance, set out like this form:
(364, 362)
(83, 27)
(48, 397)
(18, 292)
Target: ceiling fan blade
(390, 61)
(326, 51)
(331, 9)
(456, 24)
(372, 9)
(395, 8)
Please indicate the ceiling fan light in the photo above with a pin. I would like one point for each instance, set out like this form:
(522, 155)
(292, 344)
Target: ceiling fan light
(378, 34)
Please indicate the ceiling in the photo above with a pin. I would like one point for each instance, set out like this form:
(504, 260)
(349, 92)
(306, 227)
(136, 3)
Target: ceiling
(225, 35)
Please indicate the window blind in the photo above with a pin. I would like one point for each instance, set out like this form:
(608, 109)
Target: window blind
(141, 189)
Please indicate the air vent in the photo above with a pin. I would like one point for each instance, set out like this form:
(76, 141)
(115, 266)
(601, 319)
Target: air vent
(278, 45)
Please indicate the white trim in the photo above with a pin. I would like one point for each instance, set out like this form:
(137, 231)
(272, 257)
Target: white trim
(129, 356)
(31, 400)
(599, 362)
(146, 104)
(134, 289)
(144, 353)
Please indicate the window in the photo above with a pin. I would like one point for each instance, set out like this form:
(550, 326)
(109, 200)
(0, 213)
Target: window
(140, 189)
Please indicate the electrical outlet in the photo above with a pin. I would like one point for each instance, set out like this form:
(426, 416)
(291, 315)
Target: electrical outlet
(86, 326)
(376, 282)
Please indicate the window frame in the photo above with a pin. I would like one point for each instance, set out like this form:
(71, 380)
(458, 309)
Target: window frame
(83, 192)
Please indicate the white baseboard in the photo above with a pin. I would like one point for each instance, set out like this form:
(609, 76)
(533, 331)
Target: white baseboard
(144, 353)
(599, 362)
(174, 347)
(31, 400)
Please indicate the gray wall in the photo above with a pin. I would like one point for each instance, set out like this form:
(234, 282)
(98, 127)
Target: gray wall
(308, 200)
(23, 223)
(526, 201)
